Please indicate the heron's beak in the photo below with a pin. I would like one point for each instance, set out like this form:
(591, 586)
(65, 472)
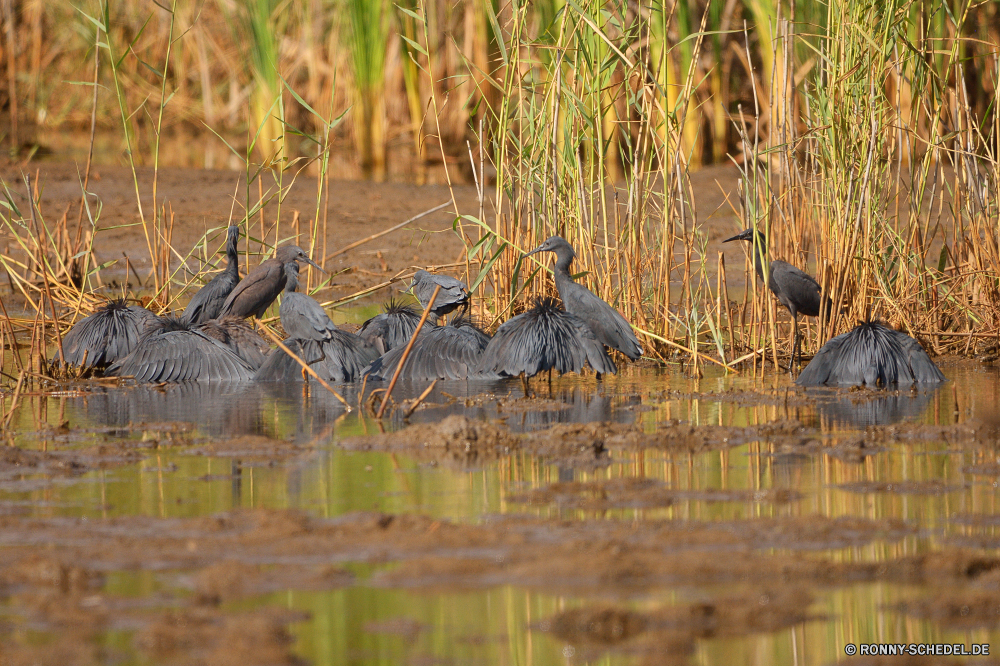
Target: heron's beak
(314, 265)
(744, 235)
(535, 251)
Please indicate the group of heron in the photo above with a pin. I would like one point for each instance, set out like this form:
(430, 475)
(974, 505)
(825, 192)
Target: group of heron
(212, 340)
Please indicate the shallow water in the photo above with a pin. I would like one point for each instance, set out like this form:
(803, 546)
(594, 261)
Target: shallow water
(189, 451)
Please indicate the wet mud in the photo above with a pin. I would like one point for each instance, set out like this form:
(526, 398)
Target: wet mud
(663, 538)
(206, 564)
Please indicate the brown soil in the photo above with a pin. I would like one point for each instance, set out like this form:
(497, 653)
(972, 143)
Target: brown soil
(210, 569)
(203, 199)
(244, 553)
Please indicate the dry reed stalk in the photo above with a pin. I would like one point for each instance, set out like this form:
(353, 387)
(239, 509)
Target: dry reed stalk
(406, 352)
(305, 366)
(416, 403)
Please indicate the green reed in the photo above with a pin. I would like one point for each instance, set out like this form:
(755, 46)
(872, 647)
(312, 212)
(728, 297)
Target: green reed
(367, 42)
(865, 134)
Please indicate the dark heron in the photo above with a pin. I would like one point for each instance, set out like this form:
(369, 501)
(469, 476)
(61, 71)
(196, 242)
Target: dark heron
(546, 337)
(443, 352)
(871, 354)
(237, 334)
(255, 293)
(454, 293)
(335, 355)
(392, 328)
(107, 335)
(207, 303)
(171, 351)
(610, 327)
(796, 290)
(340, 359)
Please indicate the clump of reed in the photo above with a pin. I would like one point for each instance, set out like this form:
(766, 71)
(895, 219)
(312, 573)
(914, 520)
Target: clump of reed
(866, 136)
(864, 157)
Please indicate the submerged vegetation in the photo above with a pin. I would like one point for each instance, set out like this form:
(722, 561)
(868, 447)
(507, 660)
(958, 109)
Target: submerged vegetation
(866, 134)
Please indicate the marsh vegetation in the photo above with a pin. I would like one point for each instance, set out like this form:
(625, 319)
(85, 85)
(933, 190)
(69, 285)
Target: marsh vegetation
(865, 133)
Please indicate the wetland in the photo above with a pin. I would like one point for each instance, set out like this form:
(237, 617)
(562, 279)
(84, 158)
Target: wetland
(649, 517)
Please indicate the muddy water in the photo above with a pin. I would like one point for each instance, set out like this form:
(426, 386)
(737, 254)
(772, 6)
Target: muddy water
(713, 520)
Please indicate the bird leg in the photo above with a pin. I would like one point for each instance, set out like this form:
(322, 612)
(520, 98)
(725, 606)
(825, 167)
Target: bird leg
(524, 385)
(795, 342)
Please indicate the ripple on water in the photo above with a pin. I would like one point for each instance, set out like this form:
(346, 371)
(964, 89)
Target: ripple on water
(649, 514)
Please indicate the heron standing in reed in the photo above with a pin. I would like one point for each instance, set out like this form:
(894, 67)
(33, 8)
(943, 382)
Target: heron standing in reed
(873, 355)
(795, 289)
(608, 325)
(546, 337)
(106, 336)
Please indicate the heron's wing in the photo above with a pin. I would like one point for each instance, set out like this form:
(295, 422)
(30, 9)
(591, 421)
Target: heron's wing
(105, 336)
(446, 352)
(821, 367)
(452, 290)
(280, 367)
(345, 357)
(543, 338)
(240, 338)
(597, 356)
(512, 350)
(207, 303)
(265, 280)
(181, 355)
(795, 288)
(610, 327)
(316, 317)
(924, 370)
(383, 367)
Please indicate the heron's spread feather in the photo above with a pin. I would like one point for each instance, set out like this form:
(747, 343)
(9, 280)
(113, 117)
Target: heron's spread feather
(443, 352)
(171, 352)
(871, 354)
(544, 338)
(107, 335)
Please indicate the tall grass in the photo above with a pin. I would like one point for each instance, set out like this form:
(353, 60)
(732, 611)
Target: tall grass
(866, 136)
(368, 41)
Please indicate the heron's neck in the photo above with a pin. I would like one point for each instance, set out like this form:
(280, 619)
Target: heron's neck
(233, 255)
(563, 261)
(561, 273)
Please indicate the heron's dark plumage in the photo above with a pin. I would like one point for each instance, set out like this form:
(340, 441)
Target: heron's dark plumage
(208, 302)
(340, 359)
(302, 316)
(334, 355)
(107, 335)
(608, 325)
(171, 351)
(871, 354)
(453, 294)
(545, 337)
(237, 334)
(255, 293)
(443, 352)
(392, 328)
(796, 290)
